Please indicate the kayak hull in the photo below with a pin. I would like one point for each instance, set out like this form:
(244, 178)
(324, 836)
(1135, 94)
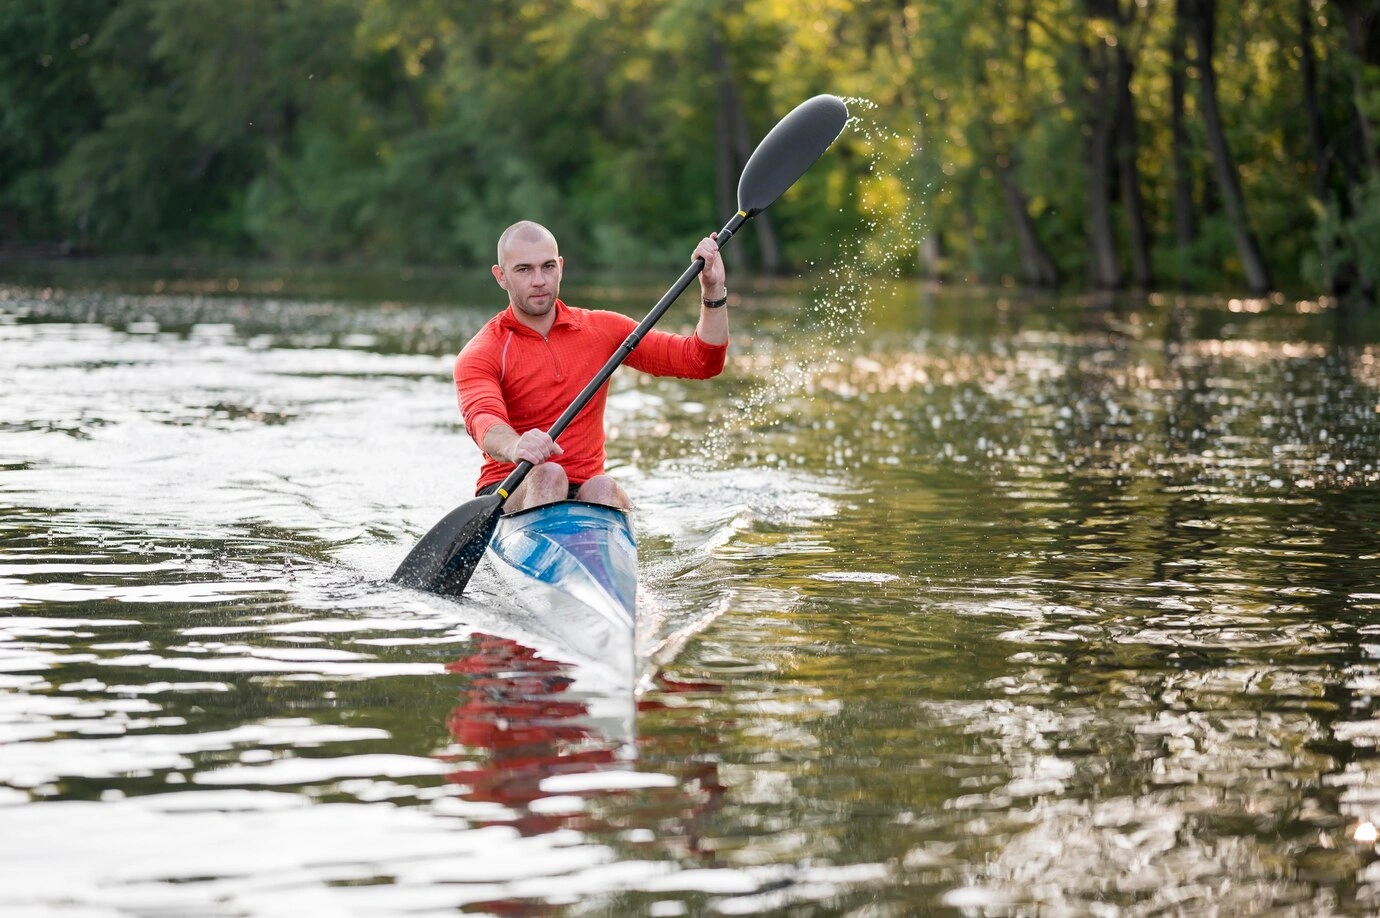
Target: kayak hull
(571, 567)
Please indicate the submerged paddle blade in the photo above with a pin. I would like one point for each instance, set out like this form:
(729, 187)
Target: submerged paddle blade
(788, 150)
(444, 560)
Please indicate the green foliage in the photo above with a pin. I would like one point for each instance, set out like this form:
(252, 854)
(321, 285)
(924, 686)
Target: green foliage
(1347, 248)
(1363, 233)
(47, 102)
(415, 131)
(1208, 263)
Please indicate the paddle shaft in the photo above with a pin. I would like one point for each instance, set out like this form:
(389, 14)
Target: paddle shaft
(630, 344)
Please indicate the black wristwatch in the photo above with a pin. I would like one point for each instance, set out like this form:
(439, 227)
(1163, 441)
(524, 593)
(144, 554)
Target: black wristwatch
(715, 304)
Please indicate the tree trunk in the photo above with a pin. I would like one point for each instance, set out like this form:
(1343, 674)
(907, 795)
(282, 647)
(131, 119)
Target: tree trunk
(1100, 106)
(725, 166)
(1317, 133)
(1185, 219)
(1360, 17)
(931, 253)
(1201, 22)
(929, 248)
(732, 128)
(976, 265)
(1037, 267)
(1128, 173)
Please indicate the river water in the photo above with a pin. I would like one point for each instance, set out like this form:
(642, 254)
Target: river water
(964, 604)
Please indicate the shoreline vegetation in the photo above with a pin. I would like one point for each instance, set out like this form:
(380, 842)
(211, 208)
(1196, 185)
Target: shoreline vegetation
(1101, 145)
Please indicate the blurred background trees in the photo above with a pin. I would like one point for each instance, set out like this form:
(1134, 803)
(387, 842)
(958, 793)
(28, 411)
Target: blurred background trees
(1099, 144)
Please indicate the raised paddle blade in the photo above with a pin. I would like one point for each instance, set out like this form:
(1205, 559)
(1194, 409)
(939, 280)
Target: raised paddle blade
(444, 560)
(788, 150)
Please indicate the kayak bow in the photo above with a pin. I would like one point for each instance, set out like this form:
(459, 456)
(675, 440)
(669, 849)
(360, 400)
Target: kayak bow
(572, 568)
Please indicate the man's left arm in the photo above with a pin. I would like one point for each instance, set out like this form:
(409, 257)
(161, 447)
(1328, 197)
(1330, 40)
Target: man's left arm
(713, 325)
(701, 355)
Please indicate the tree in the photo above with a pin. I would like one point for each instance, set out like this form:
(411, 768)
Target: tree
(47, 103)
(1317, 130)
(1100, 117)
(1185, 220)
(1029, 140)
(1200, 18)
(1362, 18)
(733, 145)
(1128, 149)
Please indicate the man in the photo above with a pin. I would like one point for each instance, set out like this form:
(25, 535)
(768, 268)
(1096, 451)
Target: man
(528, 363)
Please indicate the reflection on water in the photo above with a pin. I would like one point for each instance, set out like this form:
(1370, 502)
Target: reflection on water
(1004, 607)
(518, 709)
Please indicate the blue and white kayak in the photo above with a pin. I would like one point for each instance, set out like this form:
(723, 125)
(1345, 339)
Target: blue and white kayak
(572, 569)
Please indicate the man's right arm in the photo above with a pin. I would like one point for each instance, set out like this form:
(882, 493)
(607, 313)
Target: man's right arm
(486, 414)
(504, 444)
(479, 394)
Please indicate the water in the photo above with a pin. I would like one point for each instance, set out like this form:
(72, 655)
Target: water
(998, 607)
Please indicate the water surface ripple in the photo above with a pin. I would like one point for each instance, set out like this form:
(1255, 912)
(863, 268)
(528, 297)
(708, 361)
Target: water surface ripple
(1000, 608)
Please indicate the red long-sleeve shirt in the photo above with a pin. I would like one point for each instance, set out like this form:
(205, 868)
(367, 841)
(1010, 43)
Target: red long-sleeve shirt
(510, 374)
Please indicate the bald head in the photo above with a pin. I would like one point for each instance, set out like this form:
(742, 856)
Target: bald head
(529, 268)
(524, 231)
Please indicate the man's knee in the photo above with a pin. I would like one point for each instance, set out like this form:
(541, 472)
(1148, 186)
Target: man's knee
(544, 484)
(601, 489)
(547, 476)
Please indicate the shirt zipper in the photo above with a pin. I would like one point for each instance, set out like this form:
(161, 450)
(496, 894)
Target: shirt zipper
(555, 364)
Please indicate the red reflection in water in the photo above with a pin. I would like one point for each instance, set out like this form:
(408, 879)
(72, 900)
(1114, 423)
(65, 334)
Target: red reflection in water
(512, 707)
(520, 727)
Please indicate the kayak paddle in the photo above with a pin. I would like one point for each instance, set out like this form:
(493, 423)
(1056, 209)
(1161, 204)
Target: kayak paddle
(445, 558)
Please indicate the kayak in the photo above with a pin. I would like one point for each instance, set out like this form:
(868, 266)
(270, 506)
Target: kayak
(571, 568)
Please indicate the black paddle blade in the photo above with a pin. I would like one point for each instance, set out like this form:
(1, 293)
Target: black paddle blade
(444, 560)
(788, 150)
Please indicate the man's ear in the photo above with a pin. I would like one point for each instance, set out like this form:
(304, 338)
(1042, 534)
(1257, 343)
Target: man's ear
(499, 276)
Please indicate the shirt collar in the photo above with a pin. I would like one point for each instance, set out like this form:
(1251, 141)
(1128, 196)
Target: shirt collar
(564, 316)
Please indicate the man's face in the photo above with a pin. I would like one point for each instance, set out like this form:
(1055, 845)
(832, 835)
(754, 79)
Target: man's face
(531, 273)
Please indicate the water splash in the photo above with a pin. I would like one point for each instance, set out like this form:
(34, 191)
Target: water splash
(892, 205)
(890, 200)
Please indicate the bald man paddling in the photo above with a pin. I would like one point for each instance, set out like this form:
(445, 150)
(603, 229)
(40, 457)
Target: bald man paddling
(529, 362)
